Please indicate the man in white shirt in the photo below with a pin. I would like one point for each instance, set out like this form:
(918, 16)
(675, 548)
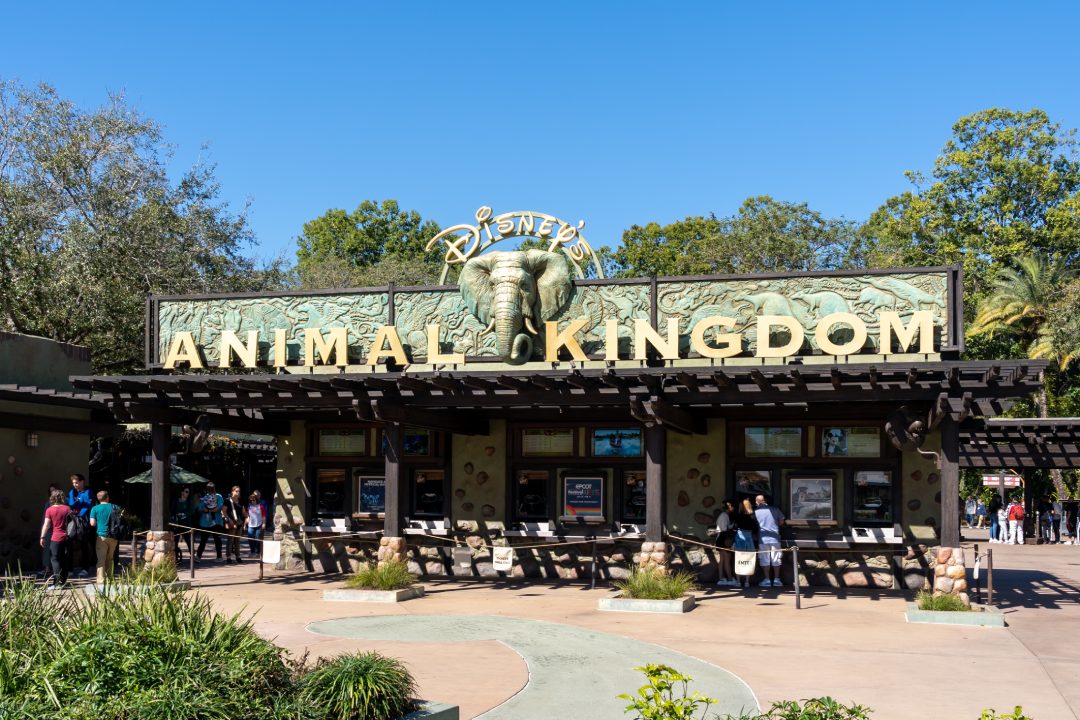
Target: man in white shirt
(769, 556)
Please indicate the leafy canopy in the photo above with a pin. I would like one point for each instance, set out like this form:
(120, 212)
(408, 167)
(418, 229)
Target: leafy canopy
(90, 224)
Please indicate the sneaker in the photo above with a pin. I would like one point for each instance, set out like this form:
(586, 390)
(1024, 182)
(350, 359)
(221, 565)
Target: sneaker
(765, 583)
(227, 561)
(777, 583)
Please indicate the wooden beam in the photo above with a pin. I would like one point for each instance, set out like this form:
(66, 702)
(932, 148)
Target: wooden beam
(913, 377)
(160, 438)
(837, 380)
(674, 418)
(478, 383)
(953, 376)
(761, 381)
(938, 411)
(451, 421)
(394, 500)
(543, 382)
(688, 380)
(581, 381)
(514, 383)
(723, 380)
(218, 419)
(448, 384)
(416, 385)
(655, 463)
(950, 483)
(872, 374)
(67, 426)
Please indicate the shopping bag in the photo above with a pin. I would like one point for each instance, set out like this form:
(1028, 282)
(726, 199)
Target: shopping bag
(745, 562)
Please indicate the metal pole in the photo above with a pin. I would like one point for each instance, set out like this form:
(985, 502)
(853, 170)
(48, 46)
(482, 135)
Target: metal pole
(795, 568)
(134, 537)
(990, 576)
(259, 559)
(977, 578)
(191, 553)
(592, 571)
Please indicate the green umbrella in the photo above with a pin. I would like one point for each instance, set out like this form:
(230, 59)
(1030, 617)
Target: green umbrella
(177, 476)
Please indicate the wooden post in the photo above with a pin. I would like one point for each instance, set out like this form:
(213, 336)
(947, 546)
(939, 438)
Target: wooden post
(395, 507)
(950, 482)
(655, 461)
(160, 435)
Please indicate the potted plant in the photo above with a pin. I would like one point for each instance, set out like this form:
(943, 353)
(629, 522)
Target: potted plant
(387, 582)
(653, 590)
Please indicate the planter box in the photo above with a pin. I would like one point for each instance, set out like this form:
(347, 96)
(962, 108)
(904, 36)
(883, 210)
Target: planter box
(979, 615)
(121, 588)
(618, 604)
(374, 596)
(434, 711)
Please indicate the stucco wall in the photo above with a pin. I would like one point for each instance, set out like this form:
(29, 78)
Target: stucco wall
(29, 360)
(921, 493)
(291, 494)
(695, 479)
(25, 474)
(478, 479)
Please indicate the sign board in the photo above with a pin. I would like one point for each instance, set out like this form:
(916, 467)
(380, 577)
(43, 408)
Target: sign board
(583, 497)
(502, 559)
(271, 552)
(370, 493)
(1007, 480)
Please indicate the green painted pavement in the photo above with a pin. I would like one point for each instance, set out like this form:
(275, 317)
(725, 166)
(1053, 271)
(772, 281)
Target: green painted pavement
(572, 672)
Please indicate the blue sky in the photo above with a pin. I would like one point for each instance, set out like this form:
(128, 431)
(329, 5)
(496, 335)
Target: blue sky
(612, 112)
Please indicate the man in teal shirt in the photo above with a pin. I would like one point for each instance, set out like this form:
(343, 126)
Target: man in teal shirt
(100, 515)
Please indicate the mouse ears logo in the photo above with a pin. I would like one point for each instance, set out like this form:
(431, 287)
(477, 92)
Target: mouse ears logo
(464, 242)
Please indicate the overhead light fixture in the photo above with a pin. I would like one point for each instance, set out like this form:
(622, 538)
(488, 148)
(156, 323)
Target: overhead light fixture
(31, 439)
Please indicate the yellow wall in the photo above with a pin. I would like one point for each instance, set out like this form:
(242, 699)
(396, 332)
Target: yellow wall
(696, 479)
(921, 492)
(478, 479)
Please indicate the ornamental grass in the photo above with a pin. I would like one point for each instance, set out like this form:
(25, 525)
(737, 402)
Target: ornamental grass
(388, 575)
(946, 602)
(155, 654)
(147, 574)
(654, 584)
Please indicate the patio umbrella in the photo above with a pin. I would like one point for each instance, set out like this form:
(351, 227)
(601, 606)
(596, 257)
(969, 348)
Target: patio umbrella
(177, 476)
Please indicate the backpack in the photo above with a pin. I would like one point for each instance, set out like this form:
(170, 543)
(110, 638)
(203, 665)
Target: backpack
(77, 527)
(116, 527)
(1016, 512)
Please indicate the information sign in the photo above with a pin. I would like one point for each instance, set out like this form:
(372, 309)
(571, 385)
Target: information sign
(583, 497)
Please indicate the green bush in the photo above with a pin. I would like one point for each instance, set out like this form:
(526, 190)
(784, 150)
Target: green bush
(652, 584)
(162, 655)
(1016, 714)
(146, 574)
(390, 575)
(363, 686)
(946, 602)
(665, 696)
(823, 708)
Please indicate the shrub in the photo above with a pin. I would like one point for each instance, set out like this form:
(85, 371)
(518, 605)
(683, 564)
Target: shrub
(660, 700)
(1016, 714)
(161, 574)
(653, 584)
(390, 575)
(946, 602)
(823, 708)
(362, 686)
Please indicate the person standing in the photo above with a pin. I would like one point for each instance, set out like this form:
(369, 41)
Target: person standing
(1016, 523)
(725, 541)
(234, 515)
(100, 515)
(255, 525)
(210, 520)
(992, 509)
(746, 527)
(80, 500)
(969, 510)
(46, 552)
(769, 520)
(184, 513)
(55, 529)
(980, 513)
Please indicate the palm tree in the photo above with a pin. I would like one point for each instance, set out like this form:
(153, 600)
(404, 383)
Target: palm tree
(1019, 305)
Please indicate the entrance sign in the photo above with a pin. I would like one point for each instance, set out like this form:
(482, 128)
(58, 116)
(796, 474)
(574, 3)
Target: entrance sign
(583, 497)
(1007, 480)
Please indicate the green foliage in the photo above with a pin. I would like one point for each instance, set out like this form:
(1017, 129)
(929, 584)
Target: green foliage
(765, 235)
(653, 584)
(362, 686)
(147, 574)
(92, 224)
(375, 244)
(946, 602)
(160, 655)
(665, 696)
(1016, 714)
(389, 575)
(823, 708)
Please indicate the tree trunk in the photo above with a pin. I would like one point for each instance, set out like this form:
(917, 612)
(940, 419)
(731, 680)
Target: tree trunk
(1044, 412)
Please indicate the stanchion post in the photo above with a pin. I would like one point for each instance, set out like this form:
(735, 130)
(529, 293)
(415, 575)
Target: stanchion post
(259, 559)
(795, 573)
(977, 578)
(191, 553)
(592, 571)
(990, 576)
(134, 544)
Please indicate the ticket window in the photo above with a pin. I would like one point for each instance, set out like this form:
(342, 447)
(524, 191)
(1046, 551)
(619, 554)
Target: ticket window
(633, 497)
(428, 493)
(331, 499)
(872, 496)
(531, 494)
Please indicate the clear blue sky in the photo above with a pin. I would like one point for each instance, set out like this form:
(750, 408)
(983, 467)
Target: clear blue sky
(613, 112)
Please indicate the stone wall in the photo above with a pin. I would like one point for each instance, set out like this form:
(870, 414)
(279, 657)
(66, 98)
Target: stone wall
(921, 493)
(950, 573)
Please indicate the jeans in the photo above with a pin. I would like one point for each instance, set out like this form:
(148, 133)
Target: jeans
(970, 518)
(254, 534)
(993, 527)
(60, 557)
(217, 540)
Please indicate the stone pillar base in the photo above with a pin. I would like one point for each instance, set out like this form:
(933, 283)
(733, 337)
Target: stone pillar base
(653, 556)
(160, 548)
(950, 574)
(392, 548)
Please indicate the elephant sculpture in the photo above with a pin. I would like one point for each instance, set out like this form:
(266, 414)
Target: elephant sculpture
(512, 292)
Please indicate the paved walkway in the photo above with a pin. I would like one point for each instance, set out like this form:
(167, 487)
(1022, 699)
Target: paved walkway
(572, 671)
(855, 646)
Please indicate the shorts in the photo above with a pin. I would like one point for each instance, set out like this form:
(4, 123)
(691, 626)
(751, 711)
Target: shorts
(769, 554)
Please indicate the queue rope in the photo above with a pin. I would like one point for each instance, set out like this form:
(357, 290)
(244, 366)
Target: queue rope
(457, 542)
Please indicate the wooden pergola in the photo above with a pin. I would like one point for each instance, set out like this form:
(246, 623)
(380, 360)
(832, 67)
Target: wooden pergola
(956, 397)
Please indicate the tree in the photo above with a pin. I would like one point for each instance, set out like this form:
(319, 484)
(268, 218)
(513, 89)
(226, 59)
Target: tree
(90, 224)
(1004, 185)
(375, 241)
(1021, 303)
(765, 235)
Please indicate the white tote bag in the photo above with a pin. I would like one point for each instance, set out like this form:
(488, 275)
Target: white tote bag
(745, 562)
